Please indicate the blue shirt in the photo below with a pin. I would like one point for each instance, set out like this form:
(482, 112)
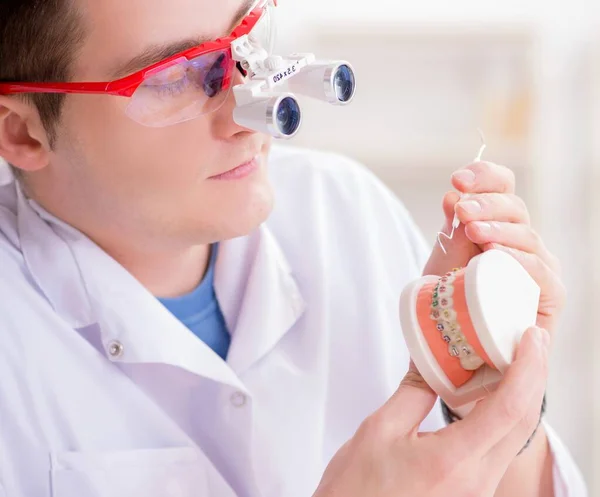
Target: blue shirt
(200, 311)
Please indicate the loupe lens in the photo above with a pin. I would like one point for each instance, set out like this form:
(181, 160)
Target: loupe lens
(344, 84)
(288, 116)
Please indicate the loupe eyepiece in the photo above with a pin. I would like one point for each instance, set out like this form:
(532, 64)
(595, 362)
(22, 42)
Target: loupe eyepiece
(344, 83)
(332, 82)
(279, 116)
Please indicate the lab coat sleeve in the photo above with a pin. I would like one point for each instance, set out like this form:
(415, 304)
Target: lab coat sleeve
(421, 249)
(568, 480)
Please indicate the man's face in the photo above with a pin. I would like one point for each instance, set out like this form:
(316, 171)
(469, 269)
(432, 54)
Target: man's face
(113, 177)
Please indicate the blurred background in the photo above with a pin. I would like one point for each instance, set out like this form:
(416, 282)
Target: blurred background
(527, 72)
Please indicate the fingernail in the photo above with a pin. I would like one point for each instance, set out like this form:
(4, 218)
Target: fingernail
(483, 227)
(470, 206)
(542, 339)
(465, 176)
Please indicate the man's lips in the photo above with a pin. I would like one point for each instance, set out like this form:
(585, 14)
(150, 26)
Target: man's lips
(240, 171)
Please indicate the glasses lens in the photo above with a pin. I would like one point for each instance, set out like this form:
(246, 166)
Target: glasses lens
(183, 91)
(264, 31)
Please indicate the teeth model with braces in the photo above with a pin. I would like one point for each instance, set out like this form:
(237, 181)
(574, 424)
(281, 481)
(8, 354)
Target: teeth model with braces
(443, 313)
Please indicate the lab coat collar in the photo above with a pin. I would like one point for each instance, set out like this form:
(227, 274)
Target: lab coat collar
(258, 295)
(51, 264)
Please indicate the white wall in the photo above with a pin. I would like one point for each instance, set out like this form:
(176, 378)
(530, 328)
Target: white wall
(537, 11)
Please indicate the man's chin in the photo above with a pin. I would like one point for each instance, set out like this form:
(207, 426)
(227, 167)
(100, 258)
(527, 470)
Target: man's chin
(248, 218)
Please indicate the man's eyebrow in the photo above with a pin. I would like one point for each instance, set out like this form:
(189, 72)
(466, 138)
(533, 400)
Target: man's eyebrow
(155, 53)
(152, 55)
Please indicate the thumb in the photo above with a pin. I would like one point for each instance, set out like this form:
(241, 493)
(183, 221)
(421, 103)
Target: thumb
(412, 402)
(448, 203)
(459, 250)
(460, 240)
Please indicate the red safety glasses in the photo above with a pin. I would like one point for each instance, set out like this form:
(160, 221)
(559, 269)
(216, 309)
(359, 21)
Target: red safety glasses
(179, 88)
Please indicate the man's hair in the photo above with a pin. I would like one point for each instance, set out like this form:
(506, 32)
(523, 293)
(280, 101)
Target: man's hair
(38, 41)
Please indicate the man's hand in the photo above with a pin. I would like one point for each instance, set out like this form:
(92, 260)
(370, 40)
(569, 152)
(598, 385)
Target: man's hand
(493, 217)
(388, 457)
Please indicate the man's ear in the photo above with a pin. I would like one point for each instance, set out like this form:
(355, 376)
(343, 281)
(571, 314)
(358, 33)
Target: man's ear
(23, 139)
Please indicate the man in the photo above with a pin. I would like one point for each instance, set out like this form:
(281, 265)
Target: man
(168, 329)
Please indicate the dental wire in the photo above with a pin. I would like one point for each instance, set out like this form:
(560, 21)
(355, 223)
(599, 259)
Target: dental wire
(456, 221)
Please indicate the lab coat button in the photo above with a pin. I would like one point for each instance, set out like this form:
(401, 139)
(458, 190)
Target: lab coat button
(238, 399)
(115, 349)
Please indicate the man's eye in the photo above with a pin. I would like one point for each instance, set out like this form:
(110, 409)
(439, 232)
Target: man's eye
(170, 89)
(213, 82)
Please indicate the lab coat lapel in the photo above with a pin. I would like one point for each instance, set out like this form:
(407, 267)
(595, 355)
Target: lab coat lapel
(148, 332)
(258, 295)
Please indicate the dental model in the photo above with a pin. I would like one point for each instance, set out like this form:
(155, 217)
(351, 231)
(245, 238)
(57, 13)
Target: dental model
(462, 329)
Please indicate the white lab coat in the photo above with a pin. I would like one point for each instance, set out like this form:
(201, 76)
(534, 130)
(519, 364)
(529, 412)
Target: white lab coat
(103, 393)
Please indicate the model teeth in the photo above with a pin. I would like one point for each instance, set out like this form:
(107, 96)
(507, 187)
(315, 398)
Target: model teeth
(442, 311)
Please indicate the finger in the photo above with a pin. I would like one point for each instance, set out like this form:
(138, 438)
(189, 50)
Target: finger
(516, 236)
(553, 291)
(459, 240)
(484, 177)
(459, 250)
(448, 204)
(497, 416)
(548, 258)
(504, 207)
(411, 403)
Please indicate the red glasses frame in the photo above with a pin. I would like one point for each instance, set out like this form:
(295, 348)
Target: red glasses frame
(126, 87)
